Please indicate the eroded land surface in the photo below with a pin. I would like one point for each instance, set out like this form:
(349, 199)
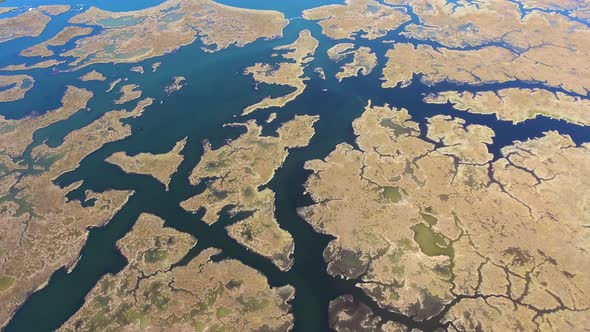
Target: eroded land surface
(236, 172)
(429, 225)
(160, 166)
(128, 92)
(64, 36)
(518, 105)
(40, 230)
(203, 295)
(543, 47)
(129, 37)
(93, 76)
(365, 18)
(288, 73)
(363, 60)
(14, 87)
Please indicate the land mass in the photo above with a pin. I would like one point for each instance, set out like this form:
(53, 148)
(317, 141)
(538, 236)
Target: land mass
(517, 105)
(347, 21)
(288, 73)
(162, 29)
(363, 61)
(202, 295)
(14, 87)
(236, 172)
(437, 229)
(159, 166)
(42, 231)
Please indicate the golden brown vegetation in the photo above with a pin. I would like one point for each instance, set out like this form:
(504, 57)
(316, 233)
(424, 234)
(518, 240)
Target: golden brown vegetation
(428, 223)
(237, 170)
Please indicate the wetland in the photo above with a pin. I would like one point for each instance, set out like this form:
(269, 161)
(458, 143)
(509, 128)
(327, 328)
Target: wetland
(315, 166)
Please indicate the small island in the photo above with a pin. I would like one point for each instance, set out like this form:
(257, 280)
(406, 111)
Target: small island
(288, 73)
(160, 166)
(363, 61)
(92, 76)
(14, 87)
(128, 92)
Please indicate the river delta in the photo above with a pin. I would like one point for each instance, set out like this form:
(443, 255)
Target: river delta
(353, 165)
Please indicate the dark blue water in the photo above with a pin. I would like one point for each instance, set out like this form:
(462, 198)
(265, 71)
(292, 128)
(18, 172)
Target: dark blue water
(216, 94)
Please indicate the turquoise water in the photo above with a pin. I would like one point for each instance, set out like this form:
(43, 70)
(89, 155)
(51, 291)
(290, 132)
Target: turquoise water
(215, 94)
(120, 22)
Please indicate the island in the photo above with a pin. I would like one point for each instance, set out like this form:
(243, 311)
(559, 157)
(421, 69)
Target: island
(30, 23)
(42, 231)
(355, 16)
(54, 10)
(236, 172)
(152, 293)
(92, 76)
(288, 73)
(162, 29)
(63, 37)
(14, 87)
(27, 24)
(137, 69)
(177, 84)
(160, 166)
(113, 84)
(128, 92)
(515, 45)
(436, 229)
(517, 105)
(363, 61)
(17, 134)
(38, 65)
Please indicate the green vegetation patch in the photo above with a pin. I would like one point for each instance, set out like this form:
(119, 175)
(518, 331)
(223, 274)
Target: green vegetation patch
(398, 129)
(222, 312)
(253, 304)
(154, 294)
(220, 194)
(431, 242)
(216, 165)
(431, 220)
(120, 22)
(6, 282)
(392, 194)
(7, 128)
(155, 255)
